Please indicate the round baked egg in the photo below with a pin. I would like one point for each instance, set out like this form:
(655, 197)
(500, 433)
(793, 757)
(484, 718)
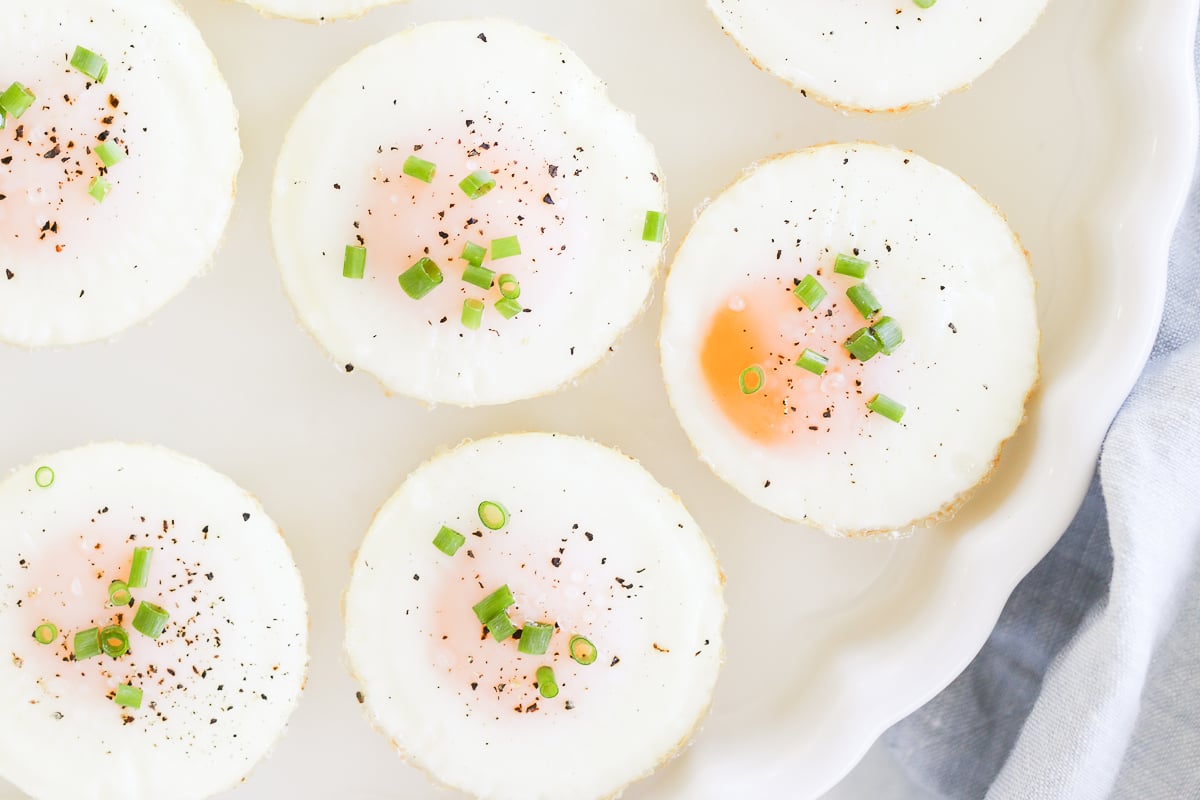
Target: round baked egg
(461, 212)
(533, 616)
(850, 337)
(153, 623)
(876, 55)
(118, 157)
(318, 11)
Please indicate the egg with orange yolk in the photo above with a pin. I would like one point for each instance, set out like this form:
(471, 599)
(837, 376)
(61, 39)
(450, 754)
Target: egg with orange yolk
(457, 145)
(952, 298)
(876, 55)
(113, 194)
(589, 546)
(216, 687)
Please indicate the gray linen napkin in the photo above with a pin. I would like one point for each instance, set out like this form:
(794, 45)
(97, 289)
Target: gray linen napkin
(1089, 686)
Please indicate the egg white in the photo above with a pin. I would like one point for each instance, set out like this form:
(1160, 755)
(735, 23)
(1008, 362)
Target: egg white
(220, 683)
(575, 180)
(945, 266)
(876, 55)
(593, 544)
(318, 11)
(73, 270)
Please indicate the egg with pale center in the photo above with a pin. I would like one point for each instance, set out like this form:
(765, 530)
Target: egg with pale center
(480, 234)
(118, 157)
(876, 55)
(850, 336)
(153, 625)
(532, 617)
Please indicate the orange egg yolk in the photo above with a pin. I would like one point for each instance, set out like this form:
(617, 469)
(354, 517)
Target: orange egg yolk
(765, 325)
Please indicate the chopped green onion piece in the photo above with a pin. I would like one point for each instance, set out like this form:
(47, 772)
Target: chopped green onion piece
(545, 681)
(812, 361)
(752, 379)
(493, 515)
(449, 540)
(864, 300)
(506, 247)
(888, 332)
(852, 266)
(118, 594)
(477, 184)
(863, 345)
(420, 169)
(114, 641)
(501, 627)
(91, 64)
(655, 227)
(535, 638)
(110, 153)
(887, 407)
(43, 477)
(354, 265)
(3, 119)
(582, 651)
(150, 620)
(494, 604)
(99, 188)
(16, 100)
(139, 571)
(924, 3)
(420, 279)
(508, 307)
(810, 291)
(472, 314)
(474, 254)
(87, 644)
(509, 287)
(45, 633)
(478, 276)
(128, 696)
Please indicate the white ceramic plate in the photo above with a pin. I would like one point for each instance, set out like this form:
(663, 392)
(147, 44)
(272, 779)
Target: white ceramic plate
(1084, 135)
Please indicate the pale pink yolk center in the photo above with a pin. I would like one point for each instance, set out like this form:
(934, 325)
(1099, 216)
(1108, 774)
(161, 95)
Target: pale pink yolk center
(67, 584)
(48, 162)
(570, 585)
(402, 219)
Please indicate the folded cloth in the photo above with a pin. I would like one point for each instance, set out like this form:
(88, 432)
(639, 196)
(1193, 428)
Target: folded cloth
(1090, 685)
